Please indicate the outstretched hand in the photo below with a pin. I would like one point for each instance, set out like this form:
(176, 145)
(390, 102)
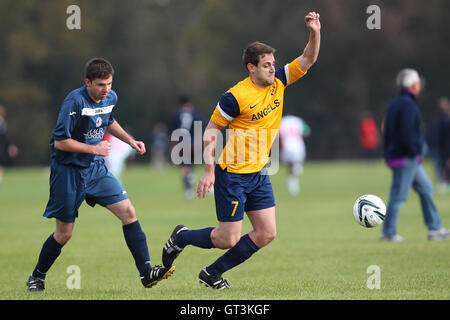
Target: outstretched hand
(139, 146)
(312, 20)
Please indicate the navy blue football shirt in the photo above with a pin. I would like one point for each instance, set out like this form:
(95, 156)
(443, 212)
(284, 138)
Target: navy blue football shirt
(83, 120)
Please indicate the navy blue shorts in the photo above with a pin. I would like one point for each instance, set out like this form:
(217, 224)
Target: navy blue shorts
(71, 185)
(238, 193)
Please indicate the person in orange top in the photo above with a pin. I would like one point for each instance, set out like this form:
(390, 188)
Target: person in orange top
(252, 110)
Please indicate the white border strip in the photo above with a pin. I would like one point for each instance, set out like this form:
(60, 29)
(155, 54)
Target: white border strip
(223, 113)
(286, 72)
(96, 111)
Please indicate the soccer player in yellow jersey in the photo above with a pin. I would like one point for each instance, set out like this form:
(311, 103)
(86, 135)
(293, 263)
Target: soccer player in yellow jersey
(252, 110)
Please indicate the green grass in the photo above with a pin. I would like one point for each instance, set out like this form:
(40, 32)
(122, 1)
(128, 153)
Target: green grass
(320, 252)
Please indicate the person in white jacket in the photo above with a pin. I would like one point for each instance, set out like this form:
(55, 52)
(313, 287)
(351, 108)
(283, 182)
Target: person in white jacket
(293, 151)
(116, 160)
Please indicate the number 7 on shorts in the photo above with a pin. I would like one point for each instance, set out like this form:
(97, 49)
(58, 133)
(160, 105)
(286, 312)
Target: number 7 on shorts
(236, 203)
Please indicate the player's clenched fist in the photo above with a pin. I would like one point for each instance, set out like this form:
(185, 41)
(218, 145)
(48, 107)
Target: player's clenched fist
(103, 148)
(139, 146)
(312, 20)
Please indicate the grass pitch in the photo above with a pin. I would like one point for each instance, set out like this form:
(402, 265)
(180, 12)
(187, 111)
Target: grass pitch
(320, 251)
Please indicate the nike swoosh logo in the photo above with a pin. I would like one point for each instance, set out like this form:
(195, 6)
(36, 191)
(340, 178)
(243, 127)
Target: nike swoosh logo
(72, 113)
(251, 107)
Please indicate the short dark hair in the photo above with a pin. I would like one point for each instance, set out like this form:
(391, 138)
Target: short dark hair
(254, 51)
(183, 99)
(98, 68)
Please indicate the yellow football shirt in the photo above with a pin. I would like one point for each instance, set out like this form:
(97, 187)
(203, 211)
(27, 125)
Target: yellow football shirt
(253, 115)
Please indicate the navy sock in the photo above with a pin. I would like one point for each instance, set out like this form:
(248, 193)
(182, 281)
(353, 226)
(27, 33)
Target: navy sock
(137, 243)
(49, 252)
(234, 256)
(188, 181)
(200, 238)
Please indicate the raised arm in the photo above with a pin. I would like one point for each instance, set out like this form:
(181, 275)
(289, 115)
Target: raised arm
(311, 51)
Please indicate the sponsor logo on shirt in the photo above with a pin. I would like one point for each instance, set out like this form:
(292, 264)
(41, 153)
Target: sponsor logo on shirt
(266, 111)
(96, 134)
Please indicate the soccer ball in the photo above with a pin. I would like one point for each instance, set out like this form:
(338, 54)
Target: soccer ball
(369, 210)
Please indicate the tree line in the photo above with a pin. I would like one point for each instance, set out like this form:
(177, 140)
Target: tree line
(163, 48)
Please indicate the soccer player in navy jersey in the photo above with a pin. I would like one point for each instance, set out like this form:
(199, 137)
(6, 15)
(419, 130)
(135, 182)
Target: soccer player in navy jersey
(78, 173)
(184, 120)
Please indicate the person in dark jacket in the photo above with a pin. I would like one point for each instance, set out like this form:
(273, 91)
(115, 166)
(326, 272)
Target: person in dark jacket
(403, 143)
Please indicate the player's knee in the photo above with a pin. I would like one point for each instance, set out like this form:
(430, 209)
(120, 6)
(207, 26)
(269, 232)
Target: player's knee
(227, 241)
(263, 238)
(62, 237)
(270, 236)
(131, 211)
(129, 214)
(232, 240)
